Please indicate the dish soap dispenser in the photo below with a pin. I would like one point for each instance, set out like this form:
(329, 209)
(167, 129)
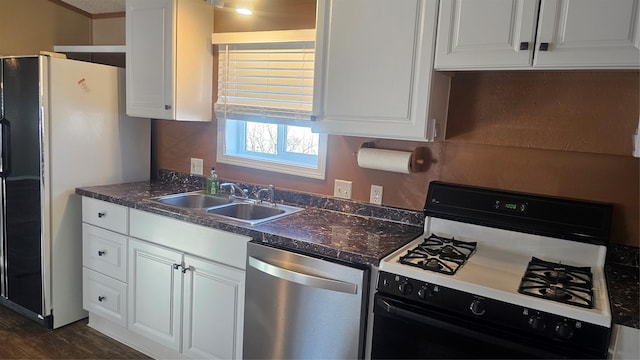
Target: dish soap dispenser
(213, 185)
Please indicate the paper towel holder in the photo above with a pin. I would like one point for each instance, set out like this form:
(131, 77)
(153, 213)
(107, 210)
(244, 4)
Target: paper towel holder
(419, 156)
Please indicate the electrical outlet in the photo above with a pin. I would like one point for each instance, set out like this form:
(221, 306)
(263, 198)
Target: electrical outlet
(196, 166)
(376, 195)
(342, 189)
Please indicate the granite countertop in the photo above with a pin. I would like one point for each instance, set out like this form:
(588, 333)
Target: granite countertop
(353, 238)
(623, 282)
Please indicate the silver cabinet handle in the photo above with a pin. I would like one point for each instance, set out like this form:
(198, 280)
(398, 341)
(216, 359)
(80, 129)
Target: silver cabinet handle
(101, 252)
(102, 214)
(186, 268)
(303, 279)
(101, 298)
(176, 266)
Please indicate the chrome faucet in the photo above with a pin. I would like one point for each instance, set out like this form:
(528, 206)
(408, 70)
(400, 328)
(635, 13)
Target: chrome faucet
(234, 189)
(271, 191)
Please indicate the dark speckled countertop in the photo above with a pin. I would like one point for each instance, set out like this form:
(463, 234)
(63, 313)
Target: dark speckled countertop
(349, 237)
(623, 282)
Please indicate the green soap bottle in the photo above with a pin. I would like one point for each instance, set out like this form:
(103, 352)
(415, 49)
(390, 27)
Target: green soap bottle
(213, 185)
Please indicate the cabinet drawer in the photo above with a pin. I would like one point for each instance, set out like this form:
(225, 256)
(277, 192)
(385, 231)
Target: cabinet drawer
(104, 251)
(105, 215)
(104, 296)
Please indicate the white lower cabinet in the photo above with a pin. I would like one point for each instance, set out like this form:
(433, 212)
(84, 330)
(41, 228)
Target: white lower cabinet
(624, 343)
(213, 310)
(186, 303)
(147, 289)
(155, 284)
(104, 260)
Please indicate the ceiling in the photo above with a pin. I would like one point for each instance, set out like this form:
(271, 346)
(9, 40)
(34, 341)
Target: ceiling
(98, 6)
(94, 7)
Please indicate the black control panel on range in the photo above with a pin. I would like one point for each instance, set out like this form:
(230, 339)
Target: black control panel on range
(469, 307)
(571, 219)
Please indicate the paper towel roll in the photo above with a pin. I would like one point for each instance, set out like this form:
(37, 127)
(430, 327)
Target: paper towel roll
(387, 160)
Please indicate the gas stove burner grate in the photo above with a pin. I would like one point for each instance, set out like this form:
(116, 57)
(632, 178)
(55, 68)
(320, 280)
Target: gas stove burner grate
(439, 254)
(558, 282)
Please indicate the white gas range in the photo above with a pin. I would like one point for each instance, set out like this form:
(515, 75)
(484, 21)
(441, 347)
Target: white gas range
(515, 274)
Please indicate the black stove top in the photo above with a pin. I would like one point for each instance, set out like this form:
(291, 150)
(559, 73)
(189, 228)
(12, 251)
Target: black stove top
(439, 254)
(558, 282)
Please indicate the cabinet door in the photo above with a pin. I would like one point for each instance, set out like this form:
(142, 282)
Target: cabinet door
(213, 310)
(487, 34)
(155, 292)
(150, 58)
(374, 62)
(588, 34)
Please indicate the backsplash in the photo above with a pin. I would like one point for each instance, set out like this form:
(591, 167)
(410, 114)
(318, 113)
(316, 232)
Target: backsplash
(410, 217)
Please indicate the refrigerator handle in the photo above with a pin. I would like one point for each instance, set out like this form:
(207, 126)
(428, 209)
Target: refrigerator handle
(5, 146)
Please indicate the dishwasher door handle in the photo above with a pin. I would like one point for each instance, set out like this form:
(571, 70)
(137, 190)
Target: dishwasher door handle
(303, 279)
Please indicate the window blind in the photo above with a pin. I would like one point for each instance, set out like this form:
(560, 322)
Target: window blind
(267, 80)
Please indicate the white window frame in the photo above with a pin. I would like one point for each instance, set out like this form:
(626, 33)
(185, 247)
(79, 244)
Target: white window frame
(270, 165)
(267, 164)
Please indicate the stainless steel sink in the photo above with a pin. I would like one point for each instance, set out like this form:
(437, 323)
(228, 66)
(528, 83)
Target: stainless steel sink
(253, 213)
(193, 200)
(242, 210)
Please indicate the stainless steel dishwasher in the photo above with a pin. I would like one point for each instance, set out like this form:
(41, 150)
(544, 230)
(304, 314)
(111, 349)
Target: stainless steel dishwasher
(301, 307)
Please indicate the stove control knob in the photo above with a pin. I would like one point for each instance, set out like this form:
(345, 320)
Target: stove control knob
(537, 322)
(405, 287)
(385, 282)
(564, 330)
(425, 292)
(477, 307)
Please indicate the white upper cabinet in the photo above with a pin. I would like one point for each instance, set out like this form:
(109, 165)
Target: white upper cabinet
(549, 34)
(374, 70)
(488, 33)
(588, 34)
(169, 59)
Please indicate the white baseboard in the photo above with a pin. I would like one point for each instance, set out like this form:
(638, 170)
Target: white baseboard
(132, 339)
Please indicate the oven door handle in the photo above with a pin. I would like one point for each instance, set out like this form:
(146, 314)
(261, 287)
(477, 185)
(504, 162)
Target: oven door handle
(393, 310)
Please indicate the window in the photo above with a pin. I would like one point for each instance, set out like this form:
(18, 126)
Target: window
(265, 96)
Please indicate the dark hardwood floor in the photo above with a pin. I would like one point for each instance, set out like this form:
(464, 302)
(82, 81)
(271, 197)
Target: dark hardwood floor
(21, 338)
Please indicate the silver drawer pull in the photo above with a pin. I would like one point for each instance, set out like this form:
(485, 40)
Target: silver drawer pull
(101, 298)
(101, 252)
(102, 214)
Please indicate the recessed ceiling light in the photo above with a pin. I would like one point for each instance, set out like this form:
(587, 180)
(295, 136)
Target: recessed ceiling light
(244, 7)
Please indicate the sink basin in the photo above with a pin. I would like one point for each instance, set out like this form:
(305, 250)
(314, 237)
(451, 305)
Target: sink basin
(253, 213)
(238, 209)
(193, 200)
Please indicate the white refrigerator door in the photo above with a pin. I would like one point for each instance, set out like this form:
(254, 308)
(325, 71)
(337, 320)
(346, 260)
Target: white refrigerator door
(88, 141)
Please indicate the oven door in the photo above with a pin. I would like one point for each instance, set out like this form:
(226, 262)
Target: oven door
(406, 330)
